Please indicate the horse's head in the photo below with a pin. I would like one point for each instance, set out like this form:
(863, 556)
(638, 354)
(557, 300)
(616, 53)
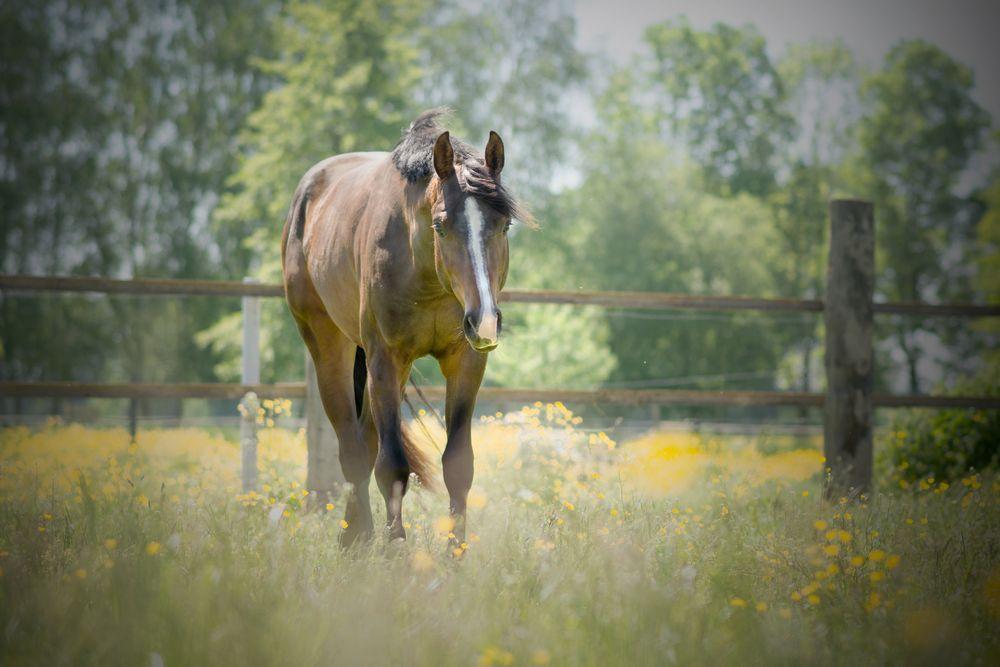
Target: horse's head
(471, 215)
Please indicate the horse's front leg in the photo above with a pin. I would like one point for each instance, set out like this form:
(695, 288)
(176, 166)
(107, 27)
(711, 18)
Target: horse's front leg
(386, 373)
(463, 369)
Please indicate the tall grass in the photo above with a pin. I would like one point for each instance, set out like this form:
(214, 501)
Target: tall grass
(672, 549)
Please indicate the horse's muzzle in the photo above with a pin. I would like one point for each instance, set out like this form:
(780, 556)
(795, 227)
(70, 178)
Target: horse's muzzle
(483, 330)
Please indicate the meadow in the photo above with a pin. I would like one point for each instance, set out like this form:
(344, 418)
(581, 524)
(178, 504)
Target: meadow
(665, 549)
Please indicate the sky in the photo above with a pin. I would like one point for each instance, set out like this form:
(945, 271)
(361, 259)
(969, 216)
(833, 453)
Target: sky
(969, 30)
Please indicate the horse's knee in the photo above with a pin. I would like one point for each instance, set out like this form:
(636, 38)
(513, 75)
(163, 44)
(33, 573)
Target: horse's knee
(354, 463)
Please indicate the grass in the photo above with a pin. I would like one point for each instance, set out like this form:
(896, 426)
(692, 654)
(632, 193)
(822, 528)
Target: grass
(671, 549)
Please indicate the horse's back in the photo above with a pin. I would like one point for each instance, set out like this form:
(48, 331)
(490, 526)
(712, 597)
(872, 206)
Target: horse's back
(319, 263)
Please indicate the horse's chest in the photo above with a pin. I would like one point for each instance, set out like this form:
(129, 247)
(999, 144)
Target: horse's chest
(420, 330)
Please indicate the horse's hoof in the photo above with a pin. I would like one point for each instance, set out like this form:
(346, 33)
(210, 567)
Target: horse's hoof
(351, 537)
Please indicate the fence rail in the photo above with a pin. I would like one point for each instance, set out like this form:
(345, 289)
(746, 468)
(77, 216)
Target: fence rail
(606, 299)
(235, 391)
(848, 312)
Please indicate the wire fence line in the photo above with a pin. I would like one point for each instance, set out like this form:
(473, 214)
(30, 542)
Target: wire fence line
(512, 395)
(848, 310)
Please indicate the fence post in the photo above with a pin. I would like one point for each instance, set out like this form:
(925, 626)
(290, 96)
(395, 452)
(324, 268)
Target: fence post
(250, 375)
(249, 406)
(323, 474)
(850, 283)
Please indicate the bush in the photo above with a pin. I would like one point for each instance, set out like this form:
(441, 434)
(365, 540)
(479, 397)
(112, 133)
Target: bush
(947, 444)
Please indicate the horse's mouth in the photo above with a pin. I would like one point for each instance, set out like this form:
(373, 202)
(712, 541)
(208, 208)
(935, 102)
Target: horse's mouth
(484, 347)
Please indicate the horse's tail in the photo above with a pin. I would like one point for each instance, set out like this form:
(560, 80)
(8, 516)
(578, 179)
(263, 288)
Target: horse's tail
(420, 461)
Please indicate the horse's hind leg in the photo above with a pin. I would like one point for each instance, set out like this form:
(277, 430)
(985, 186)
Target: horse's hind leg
(386, 374)
(334, 357)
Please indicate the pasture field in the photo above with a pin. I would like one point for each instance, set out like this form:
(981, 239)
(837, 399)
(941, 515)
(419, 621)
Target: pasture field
(668, 549)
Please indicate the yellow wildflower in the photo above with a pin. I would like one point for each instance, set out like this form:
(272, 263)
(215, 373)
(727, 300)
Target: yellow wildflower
(444, 524)
(421, 561)
(540, 657)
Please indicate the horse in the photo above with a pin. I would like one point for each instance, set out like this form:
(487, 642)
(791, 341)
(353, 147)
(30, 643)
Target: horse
(388, 257)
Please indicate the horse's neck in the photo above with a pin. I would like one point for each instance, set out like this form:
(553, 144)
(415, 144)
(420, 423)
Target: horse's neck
(418, 219)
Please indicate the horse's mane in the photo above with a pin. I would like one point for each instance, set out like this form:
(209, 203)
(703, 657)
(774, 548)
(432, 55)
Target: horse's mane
(413, 156)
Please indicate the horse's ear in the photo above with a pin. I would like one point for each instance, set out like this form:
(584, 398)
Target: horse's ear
(494, 153)
(444, 156)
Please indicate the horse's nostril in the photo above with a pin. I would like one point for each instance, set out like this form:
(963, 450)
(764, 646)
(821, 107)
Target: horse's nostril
(469, 325)
(499, 321)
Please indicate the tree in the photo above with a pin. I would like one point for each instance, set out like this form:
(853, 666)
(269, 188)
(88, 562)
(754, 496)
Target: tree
(641, 220)
(718, 91)
(511, 67)
(353, 75)
(569, 348)
(921, 129)
(988, 260)
(821, 82)
(116, 123)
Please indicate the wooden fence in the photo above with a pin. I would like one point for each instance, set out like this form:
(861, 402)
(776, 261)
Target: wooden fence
(848, 313)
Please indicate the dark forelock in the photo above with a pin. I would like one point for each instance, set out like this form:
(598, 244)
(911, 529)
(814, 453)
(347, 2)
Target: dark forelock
(413, 156)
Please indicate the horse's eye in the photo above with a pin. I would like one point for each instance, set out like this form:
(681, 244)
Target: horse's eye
(438, 227)
(506, 226)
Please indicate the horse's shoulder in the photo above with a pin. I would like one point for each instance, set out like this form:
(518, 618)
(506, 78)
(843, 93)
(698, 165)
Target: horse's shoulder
(344, 162)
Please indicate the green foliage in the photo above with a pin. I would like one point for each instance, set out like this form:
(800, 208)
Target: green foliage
(923, 124)
(641, 220)
(347, 71)
(707, 170)
(567, 564)
(821, 81)
(353, 75)
(553, 346)
(989, 238)
(116, 118)
(948, 444)
(724, 96)
(988, 254)
(508, 67)
(921, 128)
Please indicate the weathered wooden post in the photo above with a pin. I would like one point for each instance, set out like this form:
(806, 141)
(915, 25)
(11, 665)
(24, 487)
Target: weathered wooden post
(250, 376)
(850, 284)
(323, 474)
(654, 414)
(249, 406)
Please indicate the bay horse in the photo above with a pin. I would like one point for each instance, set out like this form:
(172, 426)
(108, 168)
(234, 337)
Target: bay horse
(388, 257)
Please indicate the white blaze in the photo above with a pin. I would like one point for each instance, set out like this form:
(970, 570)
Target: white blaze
(487, 309)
